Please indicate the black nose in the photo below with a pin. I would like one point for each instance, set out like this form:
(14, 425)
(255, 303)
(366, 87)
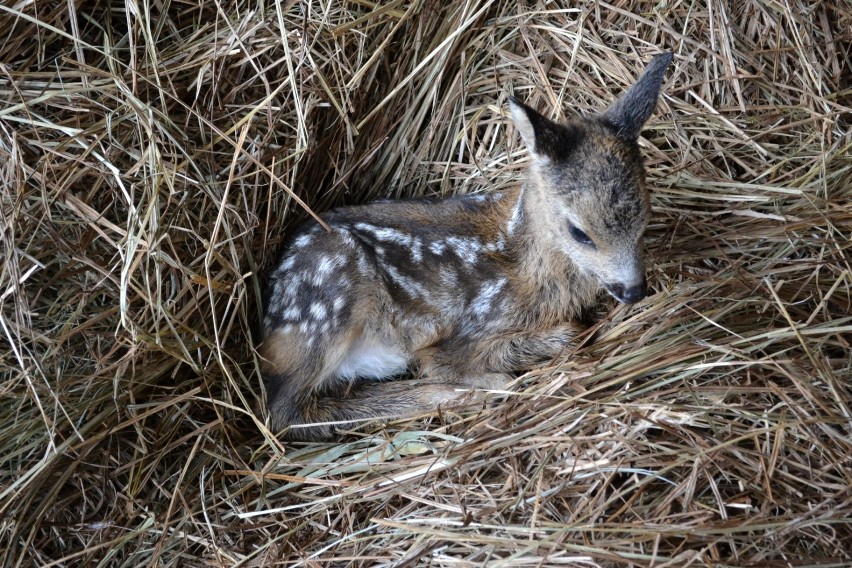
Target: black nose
(629, 295)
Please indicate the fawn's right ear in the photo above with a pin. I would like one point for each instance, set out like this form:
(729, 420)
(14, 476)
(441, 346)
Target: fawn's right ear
(543, 137)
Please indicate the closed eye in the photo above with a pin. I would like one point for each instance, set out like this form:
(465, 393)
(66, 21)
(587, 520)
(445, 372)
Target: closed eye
(580, 236)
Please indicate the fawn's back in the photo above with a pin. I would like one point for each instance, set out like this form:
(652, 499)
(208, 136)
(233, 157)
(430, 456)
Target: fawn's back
(462, 291)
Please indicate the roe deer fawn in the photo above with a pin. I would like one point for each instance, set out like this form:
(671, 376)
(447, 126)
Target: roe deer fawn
(464, 290)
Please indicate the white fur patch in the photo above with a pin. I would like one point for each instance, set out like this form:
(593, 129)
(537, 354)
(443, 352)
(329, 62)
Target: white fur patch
(388, 235)
(466, 249)
(411, 287)
(302, 241)
(288, 264)
(497, 246)
(416, 250)
(325, 267)
(487, 294)
(292, 313)
(371, 359)
(318, 311)
(437, 248)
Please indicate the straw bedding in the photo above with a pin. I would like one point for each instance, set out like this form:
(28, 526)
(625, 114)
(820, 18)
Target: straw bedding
(153, 156)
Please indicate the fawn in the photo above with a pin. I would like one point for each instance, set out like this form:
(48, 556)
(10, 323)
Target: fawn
(464, 290)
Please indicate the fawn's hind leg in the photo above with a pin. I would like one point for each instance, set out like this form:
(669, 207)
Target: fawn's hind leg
(320, 415)
(317, 386)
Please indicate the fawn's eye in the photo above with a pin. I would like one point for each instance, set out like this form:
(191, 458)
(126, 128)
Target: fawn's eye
(580, 236)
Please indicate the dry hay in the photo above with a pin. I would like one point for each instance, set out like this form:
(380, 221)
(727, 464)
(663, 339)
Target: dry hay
(151, 158)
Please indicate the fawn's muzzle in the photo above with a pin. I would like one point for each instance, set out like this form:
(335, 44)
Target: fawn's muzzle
(628, 294)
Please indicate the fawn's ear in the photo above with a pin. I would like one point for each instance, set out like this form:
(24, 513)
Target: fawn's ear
(544, 138)
(629, 113)
(525, 120)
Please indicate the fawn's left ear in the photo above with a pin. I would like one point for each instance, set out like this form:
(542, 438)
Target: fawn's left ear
(544, 138)
(629, 113)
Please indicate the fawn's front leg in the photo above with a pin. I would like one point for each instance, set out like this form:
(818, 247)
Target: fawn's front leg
(519, 351)
(487, 361)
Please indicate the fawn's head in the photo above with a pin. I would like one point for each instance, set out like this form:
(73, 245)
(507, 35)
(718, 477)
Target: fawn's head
(590, 181)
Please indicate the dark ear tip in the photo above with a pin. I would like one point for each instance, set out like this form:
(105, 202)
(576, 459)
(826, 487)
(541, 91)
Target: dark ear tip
(663, 59)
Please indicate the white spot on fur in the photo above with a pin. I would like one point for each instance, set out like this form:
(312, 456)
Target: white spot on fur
(466, 249)
(391, 235)
(498, 245)
(411, 287)
(318, 311)
(302, 241)
(417, 250)
(481, 305)
(325, 267)
(437, 248)
(293, 313)
(288, 264)
(384, 233)
(338, 305)
(388, 235)
(371, 358)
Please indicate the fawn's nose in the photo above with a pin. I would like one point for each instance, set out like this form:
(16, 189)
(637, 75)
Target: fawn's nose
(628, 294)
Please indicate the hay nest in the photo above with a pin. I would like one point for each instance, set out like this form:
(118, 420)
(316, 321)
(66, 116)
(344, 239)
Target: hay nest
(153, 155)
